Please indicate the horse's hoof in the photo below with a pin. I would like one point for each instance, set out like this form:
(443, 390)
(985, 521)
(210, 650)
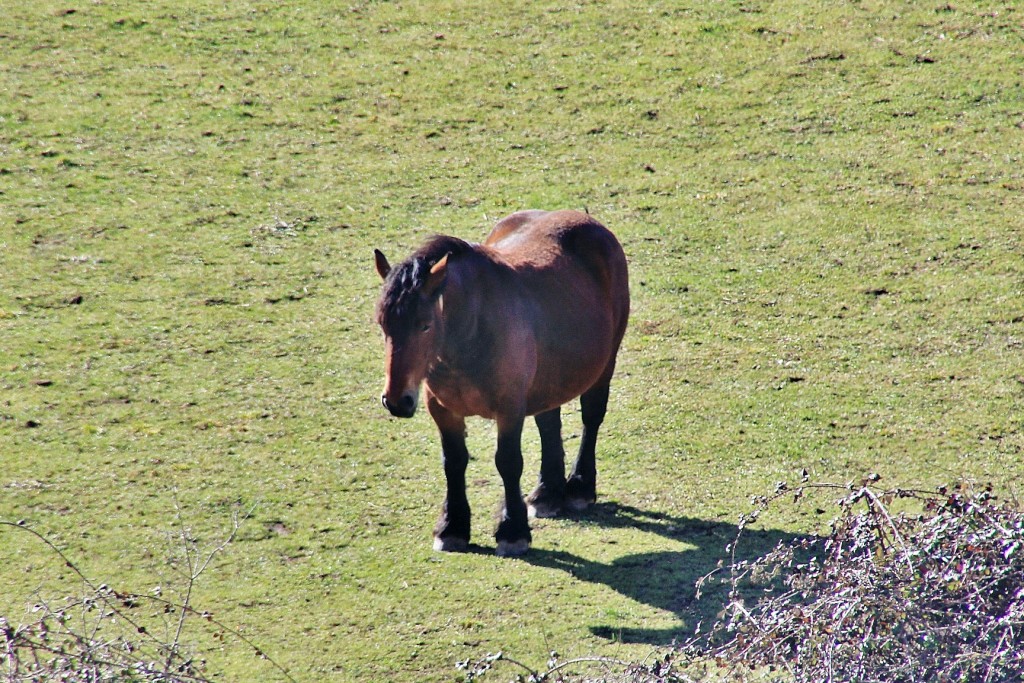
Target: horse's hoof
(450, 544)
(541, 510)
(578, 494)
(512, 548)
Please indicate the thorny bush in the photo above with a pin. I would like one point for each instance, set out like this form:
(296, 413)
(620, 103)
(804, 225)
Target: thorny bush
(110, 636)
(933, 593)
(91, 639)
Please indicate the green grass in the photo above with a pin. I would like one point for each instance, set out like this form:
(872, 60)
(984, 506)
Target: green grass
(821, 203)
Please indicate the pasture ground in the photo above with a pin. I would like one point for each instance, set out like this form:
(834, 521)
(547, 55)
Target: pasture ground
(822, 207)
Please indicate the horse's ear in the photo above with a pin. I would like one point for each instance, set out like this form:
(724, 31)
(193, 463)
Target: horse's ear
(383, 267)
(437, 277)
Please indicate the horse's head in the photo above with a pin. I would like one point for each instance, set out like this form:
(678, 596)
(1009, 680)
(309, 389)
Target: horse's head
(409, 315)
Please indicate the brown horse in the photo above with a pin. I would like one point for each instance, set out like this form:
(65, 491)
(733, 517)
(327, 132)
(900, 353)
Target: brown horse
(516, 326)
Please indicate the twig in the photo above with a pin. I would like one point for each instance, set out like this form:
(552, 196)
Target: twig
(581, 660)
(107, 600)
(196, 568)
(877, 506)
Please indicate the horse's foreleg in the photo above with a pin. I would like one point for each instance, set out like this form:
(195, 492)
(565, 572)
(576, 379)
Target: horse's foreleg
(546, 500)
(452, 530)
(581, 488)
(513, 533)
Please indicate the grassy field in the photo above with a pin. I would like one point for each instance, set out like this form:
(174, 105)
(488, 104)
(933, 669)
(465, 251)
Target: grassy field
(821, 203)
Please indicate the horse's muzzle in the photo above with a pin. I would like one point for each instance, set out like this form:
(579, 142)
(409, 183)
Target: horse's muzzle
(406, 406)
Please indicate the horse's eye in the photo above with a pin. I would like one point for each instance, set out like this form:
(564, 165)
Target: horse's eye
(425, 327)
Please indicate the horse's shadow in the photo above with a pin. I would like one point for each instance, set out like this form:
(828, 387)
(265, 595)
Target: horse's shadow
(665, 580)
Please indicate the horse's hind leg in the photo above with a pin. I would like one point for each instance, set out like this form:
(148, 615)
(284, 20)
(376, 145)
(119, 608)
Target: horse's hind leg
(546, 500)
(581, 488)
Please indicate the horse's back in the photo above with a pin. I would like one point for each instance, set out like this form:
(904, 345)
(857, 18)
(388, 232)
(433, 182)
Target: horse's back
(525, 230)
(540, 240)
(512, 226)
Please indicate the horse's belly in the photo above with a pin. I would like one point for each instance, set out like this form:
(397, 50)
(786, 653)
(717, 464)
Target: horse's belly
(560, 380)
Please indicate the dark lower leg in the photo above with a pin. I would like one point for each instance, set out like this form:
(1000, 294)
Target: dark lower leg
(513, 532)
(452, 530)
(581, 488)
(546, 499)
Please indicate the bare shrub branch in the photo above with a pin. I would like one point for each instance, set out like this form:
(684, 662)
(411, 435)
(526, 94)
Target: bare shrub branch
(907, 586)
(104, 634)
(661, 668)
(933, 593)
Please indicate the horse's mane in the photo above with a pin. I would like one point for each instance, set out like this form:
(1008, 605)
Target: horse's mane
(406, 280)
